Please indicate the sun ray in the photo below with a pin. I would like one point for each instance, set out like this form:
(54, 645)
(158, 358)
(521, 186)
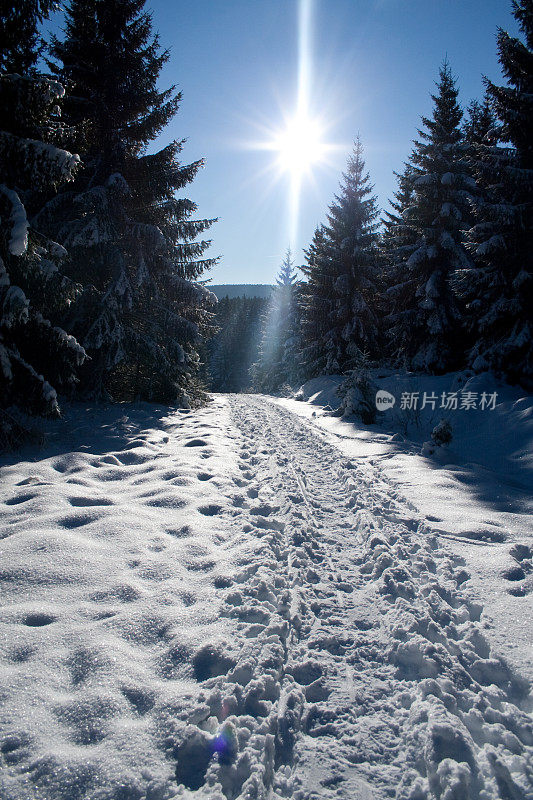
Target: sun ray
(302, 114)
(299, 144)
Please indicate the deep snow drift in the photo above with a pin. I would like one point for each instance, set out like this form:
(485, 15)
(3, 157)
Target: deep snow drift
(222, 604)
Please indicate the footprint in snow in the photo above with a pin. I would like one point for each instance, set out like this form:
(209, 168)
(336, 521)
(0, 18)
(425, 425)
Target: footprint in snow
(39, 620)
(515, 573)
(210, 661)
(204, 476)
(22, 498)
(83, 502)
(166, 502)
(264, 510)
(109, 460)
(180, 533)
(196, 443)
(130, 458)
(78, 521)
(171, 475)
(211, 510)
(305, 673)
(222, 582)
(142, 700)
(14, 746)
(61, 466)
(521, 552)
(200, 566)
(33, 481)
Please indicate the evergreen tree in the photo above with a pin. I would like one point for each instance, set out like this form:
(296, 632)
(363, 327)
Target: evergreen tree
(287, 272)
(131, 241)
(396, 230)
(398, 285)
(19, 34)
(426, 320)
(479, 124)
(278, 360)
(499, 288)
(338, 317)
(293, 367)
(317, 351)
(37, 357)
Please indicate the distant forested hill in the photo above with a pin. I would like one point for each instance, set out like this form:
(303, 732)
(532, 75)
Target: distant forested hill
(241, 290)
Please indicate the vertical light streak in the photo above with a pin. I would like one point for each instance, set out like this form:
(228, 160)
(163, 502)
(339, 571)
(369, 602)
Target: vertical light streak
(302, 109)
(304, 57)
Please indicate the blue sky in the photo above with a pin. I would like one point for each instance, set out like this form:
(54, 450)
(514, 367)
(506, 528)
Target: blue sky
(374, 63)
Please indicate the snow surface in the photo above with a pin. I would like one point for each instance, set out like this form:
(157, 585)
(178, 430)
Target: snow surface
(227, 604)
(475, 493)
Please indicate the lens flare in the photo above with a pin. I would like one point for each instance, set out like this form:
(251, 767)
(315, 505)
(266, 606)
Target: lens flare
(224, 744)
(300, 145)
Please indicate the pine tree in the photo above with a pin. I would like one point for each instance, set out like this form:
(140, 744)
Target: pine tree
(37, 357)
(338, 317)
(426, 323)
(131, 241)
(499, 288)
(278, 361)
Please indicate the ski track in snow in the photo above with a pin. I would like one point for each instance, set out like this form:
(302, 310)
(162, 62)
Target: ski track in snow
(228, 608)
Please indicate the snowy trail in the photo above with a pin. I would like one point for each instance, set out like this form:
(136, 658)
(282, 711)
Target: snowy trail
(221, 605)
(384, 685)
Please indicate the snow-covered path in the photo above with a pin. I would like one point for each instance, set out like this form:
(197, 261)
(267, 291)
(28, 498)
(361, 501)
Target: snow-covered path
(230, 609)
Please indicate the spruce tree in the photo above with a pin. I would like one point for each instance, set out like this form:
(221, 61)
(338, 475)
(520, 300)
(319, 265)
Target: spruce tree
(398, 240)
(479, 125)
(278, 363)
(339, 320)
(132, 242)
(287, 272)
(19, 33)
(426, 323)
(396, 230)
(37, 357)
(499, 288)
(317, 356)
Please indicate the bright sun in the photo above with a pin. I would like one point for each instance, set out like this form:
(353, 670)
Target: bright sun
(300, 145)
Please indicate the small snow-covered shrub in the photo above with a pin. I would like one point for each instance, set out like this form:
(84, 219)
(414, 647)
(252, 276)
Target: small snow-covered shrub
(285, 390)
(442, 433)
(358, 393)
